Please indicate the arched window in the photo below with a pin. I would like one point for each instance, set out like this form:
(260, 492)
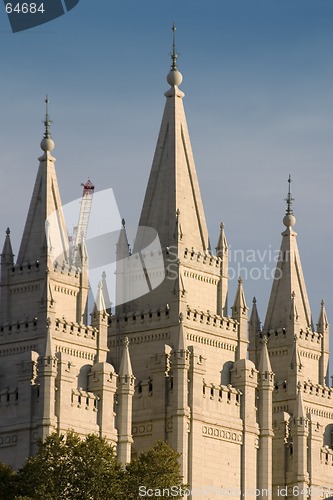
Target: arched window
(328, 436)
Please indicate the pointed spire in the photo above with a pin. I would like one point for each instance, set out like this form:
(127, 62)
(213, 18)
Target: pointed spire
(45, 211)
(173, 183)
(125, 363)
(99, 307)
(288, 300)
(222, 292)
(323, 330)
(124, 271)
(122, 247)
(106, 294)
(7, 256)
(264, 363)
(239, 308)
(322, 324)
(99, 321)
(239, 313)
(254, 322)
(222, 245)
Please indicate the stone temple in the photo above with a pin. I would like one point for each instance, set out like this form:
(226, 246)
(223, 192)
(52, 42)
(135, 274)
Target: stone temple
(249, 407)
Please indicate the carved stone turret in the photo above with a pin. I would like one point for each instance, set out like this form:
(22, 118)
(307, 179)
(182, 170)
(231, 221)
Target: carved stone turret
(125, 393)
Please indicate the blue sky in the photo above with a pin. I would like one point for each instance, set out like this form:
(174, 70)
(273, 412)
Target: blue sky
(258, 80)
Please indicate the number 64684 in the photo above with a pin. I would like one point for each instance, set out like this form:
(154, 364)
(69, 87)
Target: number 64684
(25, 8)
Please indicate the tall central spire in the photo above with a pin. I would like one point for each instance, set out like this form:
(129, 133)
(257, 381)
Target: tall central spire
(172, 197)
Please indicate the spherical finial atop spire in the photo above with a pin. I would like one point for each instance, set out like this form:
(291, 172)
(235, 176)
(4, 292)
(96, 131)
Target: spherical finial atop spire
(289, 220)
(174, 77)
(47, 143)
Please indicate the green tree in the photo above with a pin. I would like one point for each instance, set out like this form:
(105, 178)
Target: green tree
(153, 471)
(68, 468)
(7, 482)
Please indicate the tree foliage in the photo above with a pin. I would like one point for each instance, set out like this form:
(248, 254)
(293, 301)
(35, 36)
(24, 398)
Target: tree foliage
(66, 467)
(7, 482)
(153, 471)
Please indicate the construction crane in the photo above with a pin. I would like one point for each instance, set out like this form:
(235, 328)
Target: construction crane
(80, 231)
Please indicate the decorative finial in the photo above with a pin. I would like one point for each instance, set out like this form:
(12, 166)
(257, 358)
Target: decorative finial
(322, 303)
(240, 280)
(254, 300)
(47, 121)
(174, 77)
(7, 231)
(47, 143)
(126, 342)
(289, 199)
(289, 219)
(123, 223)
(174, 55)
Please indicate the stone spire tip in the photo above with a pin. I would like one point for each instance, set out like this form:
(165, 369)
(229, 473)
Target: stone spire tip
(174, 77)
(125, 363)
(47, 143)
